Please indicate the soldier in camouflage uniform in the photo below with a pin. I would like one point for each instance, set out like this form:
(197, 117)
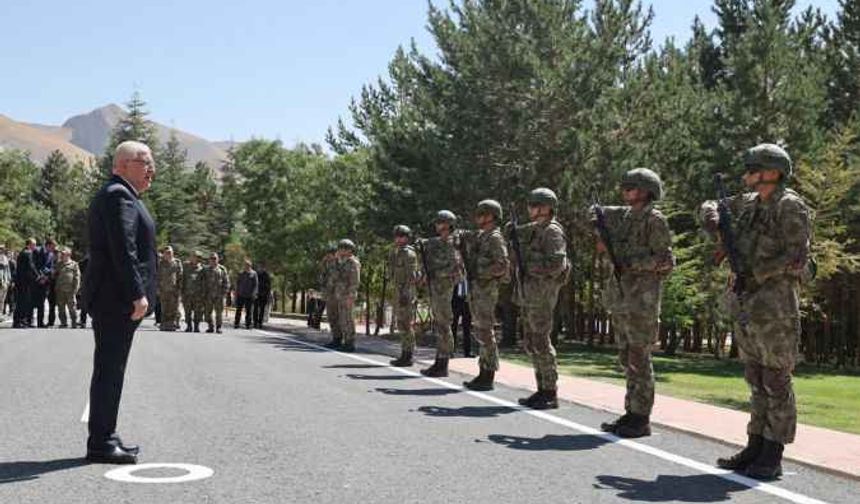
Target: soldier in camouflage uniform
(216, 285)
(346, 282)
(544, 248)
(642, 245)
(328, 273)
(444, 270)
(487, 266)
(67, 278)
(192, 292)
(404, 269)
(169, 286)
(771, 227)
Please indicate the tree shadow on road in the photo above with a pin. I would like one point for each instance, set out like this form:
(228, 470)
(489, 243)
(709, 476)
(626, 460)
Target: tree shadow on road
(12, 472)
(466, 411)
(356, 376)
(417, 392)
(576, 442)
(695, 488)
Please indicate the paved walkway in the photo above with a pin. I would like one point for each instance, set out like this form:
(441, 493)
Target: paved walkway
(825, 449)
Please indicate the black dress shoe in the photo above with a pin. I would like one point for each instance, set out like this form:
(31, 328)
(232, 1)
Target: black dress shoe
(111, 455)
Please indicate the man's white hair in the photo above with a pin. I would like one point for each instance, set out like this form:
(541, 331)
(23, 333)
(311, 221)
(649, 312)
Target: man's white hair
(129, 150)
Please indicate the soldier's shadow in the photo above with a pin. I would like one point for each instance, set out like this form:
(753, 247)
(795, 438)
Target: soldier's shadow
(353, 366)
(417, 392)
(550, 442)
(356, 376)
(11, 472)
(666, 488)
(466, 411)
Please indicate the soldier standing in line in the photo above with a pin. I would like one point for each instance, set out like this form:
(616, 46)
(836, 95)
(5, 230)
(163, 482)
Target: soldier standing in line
(67, 282)
(169, 287)
(544, 248)
(346, 282)
(404, 271)
(192, 292)
(216, 285)
(443, 265)
(487, 267)
(641, 244)
(771, 229)
(328, 274)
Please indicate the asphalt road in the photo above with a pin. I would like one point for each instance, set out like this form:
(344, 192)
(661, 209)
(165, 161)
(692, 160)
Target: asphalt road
(279, 419)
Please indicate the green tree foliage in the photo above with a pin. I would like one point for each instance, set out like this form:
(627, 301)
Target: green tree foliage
(21, 214)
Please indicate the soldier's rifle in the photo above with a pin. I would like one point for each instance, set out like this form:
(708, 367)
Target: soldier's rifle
(519, 266)
(603, 232)
(727, 236)
(380, 310)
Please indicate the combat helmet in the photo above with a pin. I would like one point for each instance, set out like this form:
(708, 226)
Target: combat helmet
(768, 156)
(491, 207)
(543, 196)
(346, 244)
(446, 216)
(401, 230)
(643, 178)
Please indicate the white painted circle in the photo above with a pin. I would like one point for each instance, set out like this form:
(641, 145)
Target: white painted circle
(125, 474)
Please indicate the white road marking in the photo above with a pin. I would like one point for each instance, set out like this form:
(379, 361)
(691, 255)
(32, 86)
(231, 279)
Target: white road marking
(85, 418)
(125, 474)
(633, 445)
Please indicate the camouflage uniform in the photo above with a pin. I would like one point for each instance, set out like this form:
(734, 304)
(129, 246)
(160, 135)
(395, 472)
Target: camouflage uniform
(216, 284)
(68, 282)
(772, 240)
(544, 248)
(445, 271)
(642, 244)
(328, 273)
(488, 266)
(346, 282)
(169, 286)
(404, 266)
(192, 295)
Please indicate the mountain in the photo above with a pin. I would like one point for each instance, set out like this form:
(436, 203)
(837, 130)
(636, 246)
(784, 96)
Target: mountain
(38, 141)
(85, 136)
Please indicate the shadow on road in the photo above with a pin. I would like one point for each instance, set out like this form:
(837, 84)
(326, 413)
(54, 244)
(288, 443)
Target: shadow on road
(417, 392)
(575, 442)
(355, 376)
(353, 366)
(12, 472)
(466, 411)
(695, 488)
(285, 345)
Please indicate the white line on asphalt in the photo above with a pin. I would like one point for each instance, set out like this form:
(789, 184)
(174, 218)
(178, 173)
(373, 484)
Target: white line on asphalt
(633, 445)
(85, 418)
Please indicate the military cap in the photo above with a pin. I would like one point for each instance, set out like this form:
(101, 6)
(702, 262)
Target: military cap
(543, 196)
(346, 244)
(643, 178)
(491, 207)
(768, 156)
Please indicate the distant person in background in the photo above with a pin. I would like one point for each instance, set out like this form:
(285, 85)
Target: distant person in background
(26, 276)
(264, 282)
(120, 291)
(45, 257)
(247, 288)
(67, 281)
(169, 287)
(5, 280)
(216, 285)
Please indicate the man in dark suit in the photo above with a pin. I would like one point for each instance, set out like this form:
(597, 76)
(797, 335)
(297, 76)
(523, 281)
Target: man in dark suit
(26, 277)
(265, 289)
(120, 290)
(45, 258)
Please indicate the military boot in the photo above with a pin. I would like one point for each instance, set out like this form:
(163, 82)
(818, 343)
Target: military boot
(218, 329)
(742, 459)
(483, 382)
(545, 399)
(615, 424)
(210, 329)
(768, 464)
(439, 369)
(188, 327)
(638, 426)
(405, 359)
(197, 327)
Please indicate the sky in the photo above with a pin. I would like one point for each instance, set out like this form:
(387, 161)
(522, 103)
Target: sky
(284, 69)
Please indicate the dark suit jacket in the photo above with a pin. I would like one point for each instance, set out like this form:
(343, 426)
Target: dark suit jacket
(26, 272)
(122, 252)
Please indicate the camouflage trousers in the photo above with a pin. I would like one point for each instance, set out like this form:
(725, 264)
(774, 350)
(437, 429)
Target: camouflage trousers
(169, 309)
(483, 297)
(345, 322)
(769, 351)
(333, 317)
(636, 333)
(541, 296)
(211, 304)
(443, 316)
(404, 318)
(66, 301)
(193, 309)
